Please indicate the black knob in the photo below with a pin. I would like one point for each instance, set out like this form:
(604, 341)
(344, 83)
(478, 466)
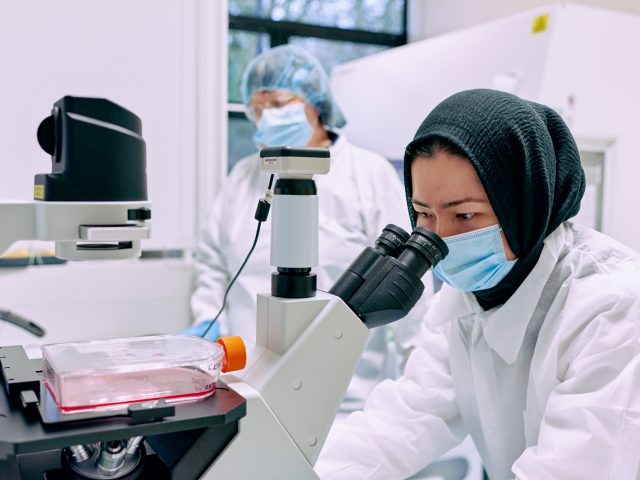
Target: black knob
(136, 214)
(46, 135)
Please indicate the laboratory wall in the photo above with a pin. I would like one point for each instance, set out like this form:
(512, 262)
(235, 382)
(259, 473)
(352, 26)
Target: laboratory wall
(405, 83)
(165, 61)
(592, 79)
(435, 17)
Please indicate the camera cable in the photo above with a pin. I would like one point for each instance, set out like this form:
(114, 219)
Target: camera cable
(261, 215)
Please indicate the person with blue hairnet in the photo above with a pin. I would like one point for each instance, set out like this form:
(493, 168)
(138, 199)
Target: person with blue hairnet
(287, 97)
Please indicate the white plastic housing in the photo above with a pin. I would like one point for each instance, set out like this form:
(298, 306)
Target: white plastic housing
(296, 376)
(295, 167)
(294, 231)
(73, 225)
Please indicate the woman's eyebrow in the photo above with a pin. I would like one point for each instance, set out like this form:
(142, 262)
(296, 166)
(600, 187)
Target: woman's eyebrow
(454, 203)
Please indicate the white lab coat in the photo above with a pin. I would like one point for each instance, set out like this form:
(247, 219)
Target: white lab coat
(361, 194)
(547, 385)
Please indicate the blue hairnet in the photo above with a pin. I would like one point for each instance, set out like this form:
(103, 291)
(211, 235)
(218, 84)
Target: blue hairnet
(293, 69)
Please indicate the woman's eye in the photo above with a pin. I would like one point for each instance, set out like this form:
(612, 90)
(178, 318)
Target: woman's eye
(465, 216)
(424, 215)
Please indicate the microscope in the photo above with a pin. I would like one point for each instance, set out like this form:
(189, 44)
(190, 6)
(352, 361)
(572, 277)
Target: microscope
(308, 342)
(93, 204)
(269, 420)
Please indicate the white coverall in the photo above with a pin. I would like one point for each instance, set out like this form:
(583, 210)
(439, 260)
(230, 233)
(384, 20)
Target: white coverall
(547, 385)
(358, 197)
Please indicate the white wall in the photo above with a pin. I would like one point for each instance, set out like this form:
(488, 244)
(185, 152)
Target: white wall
(405, 83)
(601, 72)
(96, 300)
(212, 26)
(435, 17)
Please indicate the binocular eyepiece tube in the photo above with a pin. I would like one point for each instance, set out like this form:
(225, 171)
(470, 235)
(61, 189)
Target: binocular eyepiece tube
(383, 283)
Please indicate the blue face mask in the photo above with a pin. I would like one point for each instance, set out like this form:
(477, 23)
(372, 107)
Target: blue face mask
(476, 260)
(284, 126)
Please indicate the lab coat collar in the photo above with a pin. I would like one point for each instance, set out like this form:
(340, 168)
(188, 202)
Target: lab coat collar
(451, 305)
(505, 325)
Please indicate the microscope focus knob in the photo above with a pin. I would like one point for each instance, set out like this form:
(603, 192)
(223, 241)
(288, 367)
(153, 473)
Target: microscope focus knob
(47, 136)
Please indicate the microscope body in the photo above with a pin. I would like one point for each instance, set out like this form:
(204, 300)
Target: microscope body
(308, 343)
(271, 419)
(94, 203)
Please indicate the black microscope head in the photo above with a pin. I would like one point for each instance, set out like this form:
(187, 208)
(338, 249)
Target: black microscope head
(97, 153)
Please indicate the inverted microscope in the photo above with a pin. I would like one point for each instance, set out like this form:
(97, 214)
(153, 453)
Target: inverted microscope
(268, 420)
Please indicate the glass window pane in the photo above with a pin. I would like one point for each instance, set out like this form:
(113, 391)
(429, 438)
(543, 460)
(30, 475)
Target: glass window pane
(371, 15)
(333, 52)
(243, 46)
(240, 143)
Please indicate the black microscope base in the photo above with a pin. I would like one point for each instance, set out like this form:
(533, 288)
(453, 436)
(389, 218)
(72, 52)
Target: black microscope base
(181, 440)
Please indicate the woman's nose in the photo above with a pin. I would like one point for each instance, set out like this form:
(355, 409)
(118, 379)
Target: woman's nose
(444, 228)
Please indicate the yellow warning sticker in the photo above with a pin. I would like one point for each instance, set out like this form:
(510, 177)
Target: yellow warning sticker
(38, 192)
(540, 23)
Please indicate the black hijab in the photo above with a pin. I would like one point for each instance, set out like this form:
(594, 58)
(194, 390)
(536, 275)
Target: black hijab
(527, 161)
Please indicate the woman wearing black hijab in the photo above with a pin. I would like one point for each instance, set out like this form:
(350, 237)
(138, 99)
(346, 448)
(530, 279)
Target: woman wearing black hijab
(533, 345)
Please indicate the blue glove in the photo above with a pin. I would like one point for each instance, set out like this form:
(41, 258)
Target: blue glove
(198, 329)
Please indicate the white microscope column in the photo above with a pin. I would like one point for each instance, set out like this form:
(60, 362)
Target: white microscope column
(294, 232)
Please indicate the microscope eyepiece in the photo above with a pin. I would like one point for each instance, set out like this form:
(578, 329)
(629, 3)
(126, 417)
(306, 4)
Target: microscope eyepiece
(436, 245)
(389, 244)
(422, 251)
(391, 240)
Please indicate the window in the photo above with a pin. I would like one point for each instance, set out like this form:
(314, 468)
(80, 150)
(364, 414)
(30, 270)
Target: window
(367, 15)
(335, 31)
(243, 46)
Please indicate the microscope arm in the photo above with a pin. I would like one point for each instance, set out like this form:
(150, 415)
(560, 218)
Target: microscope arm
(81, 230)
(294, 382)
